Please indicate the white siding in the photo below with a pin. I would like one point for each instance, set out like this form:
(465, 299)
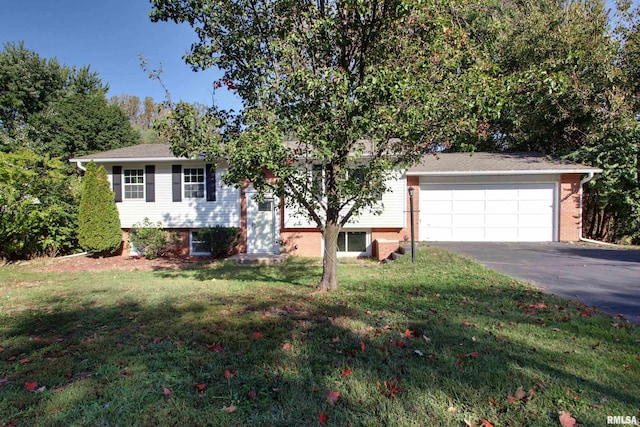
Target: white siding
(189, 213)
(393, 214)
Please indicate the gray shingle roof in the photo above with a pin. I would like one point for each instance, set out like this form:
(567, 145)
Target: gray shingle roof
(134, 152)
(436, 164)
(492, 163)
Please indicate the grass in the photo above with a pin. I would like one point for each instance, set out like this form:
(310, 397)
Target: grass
(443, 342)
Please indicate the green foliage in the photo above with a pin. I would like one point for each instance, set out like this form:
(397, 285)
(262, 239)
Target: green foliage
(612, 201)
(149, 239)
(99, 230)
(221, 241)
(56, 110)
(38, 214)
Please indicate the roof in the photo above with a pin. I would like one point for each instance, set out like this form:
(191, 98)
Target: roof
(443, 164)
(141, 152)
(448, 164)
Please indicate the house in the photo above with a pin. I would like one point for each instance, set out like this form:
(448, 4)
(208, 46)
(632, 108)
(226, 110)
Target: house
(456, 197)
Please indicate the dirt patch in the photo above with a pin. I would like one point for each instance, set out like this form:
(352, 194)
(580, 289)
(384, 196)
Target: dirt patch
(120, 263)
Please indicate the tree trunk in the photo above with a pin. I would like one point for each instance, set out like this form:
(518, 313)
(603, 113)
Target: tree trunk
(329, 279)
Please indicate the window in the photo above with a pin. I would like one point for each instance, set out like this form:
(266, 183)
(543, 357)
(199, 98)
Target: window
(134, 184)
(198, 247)
(265, 206)
(352, 241)
(193, 183)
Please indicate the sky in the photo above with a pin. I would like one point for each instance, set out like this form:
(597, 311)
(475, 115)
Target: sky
(110, 35)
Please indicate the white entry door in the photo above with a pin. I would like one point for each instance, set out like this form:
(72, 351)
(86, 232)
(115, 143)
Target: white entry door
(500, 212)
(261, 226)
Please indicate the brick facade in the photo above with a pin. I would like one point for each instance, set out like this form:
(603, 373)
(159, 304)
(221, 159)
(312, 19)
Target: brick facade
(570, 214)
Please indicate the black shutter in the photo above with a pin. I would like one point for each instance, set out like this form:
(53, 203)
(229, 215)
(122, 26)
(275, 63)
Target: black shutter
(150, 182)
(116, 173)
(211, 182)
(176, 182)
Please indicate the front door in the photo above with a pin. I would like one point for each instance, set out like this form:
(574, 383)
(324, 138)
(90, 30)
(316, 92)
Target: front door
(261, 232)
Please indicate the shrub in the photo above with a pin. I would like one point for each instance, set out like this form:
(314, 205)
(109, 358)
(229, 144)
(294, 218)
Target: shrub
(99, 230)
(149, 239)
(38, 207)
(220, 240)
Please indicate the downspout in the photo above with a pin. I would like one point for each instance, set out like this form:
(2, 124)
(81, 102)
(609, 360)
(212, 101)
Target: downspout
(583, 181)
(84, 169)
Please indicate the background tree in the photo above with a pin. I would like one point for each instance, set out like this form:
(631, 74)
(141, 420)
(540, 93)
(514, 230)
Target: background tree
(142, 116)
(361, 88)
(54, 109)
(38, 207)
(99, 230)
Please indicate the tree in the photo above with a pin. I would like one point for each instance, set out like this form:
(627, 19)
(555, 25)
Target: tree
(56, 110)
(38, 207)
(99, 223)
(360, 88)
(28, 84)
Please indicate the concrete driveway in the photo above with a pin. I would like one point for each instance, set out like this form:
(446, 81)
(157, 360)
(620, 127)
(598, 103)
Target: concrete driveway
(606, 278)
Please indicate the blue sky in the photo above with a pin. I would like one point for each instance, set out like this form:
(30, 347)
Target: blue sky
(109, 35)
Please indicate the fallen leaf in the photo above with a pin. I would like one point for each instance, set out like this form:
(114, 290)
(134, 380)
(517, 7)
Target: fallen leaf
(520, 394)
(332, 396)
(286, 346)
(362, 347)
(200, 387)
(397, 343)
(426, 339)
(486, 423)
(157, 340)
(585, 313)
(4, 381)
(25, 360)
(408, 333)
(392, 389)
(229, 409)
(31, 386)
(228, 374)
(323, 418)
(465, 323)
(451, 410)
(492, 402)
(166, 391)
(257, 335)
(215, 347)
(1, 349)
(346, 372)
(566, 420)
(419, 353)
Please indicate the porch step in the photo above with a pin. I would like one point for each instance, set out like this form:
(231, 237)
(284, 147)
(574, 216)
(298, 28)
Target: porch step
(259, 259)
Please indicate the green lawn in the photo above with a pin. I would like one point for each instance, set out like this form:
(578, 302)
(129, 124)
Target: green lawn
(443, 342)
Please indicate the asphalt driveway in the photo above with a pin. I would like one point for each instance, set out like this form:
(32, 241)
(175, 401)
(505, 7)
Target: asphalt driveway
(606, 278)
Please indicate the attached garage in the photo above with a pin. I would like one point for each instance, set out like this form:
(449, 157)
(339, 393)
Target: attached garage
(498, 197)
(487, 212)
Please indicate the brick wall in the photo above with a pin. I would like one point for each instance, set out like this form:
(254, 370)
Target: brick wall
(570, 215)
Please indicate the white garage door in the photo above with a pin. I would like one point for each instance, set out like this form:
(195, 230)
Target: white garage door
(503, 212)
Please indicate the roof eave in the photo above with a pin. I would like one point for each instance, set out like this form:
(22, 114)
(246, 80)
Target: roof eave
(503, 172)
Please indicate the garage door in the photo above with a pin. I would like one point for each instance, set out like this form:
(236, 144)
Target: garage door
(502, 212)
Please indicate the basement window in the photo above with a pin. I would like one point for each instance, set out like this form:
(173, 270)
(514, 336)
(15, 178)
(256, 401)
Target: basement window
(352, 241)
